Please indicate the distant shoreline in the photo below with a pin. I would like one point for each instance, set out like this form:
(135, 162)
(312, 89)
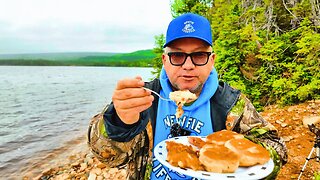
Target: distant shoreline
(142, 58)
(75, 63)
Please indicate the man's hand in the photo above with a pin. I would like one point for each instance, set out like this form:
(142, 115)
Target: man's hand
(129, 99)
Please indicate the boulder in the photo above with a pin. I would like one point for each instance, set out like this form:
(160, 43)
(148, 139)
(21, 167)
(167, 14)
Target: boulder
(310, 120)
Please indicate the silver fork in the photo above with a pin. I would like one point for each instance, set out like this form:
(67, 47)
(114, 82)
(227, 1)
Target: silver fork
(157, 94)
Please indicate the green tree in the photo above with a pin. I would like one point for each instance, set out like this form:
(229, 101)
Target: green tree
(179, 7)
(158, 50)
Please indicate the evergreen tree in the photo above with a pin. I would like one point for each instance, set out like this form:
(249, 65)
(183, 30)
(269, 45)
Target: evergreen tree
(158, 50)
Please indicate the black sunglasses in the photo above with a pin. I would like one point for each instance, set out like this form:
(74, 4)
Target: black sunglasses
(197, 58)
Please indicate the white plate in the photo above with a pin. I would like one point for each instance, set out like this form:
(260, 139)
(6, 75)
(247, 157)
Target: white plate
(253, 172)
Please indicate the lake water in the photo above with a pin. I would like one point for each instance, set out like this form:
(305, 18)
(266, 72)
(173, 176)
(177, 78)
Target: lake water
(45, 108)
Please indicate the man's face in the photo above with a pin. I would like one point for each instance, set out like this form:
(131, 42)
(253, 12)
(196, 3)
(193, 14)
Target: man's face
(188, 76)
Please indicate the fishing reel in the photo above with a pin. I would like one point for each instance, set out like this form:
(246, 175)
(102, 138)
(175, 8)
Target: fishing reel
(314, 130)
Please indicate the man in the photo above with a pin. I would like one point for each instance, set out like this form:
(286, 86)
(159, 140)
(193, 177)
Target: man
(125, 133)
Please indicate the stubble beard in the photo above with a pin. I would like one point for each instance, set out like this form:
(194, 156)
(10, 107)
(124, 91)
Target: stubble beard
(196, 90)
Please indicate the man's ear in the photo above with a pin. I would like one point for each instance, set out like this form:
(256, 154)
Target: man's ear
(213, 57)
(163, 58)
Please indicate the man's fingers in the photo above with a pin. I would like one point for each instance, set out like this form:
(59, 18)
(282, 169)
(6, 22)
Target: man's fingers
(128, 117)
(129, 99)
(128, 112)
(130, 83)
(138, 77)
(129, 93)
(133, 102)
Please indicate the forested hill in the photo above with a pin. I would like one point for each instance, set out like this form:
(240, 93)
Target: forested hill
(137, 58)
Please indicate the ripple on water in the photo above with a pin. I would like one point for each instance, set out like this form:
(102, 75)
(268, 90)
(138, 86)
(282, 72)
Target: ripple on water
(42, 108)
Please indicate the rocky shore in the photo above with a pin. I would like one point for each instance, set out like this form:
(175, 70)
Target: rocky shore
(81, 166)
(290, 121)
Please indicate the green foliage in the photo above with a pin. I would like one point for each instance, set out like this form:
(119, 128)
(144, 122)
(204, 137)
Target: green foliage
(179, 7)
(291, 65)
(158, 50)
(267, 49)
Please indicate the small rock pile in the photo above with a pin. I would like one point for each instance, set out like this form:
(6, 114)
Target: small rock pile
(81, 166)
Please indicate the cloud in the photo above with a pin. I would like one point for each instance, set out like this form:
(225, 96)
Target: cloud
(76, 37)
(83, 25)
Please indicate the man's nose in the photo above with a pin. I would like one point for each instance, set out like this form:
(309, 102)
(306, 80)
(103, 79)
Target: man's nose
(188, 63)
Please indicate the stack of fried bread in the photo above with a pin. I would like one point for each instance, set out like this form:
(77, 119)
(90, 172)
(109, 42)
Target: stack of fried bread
(220, 152)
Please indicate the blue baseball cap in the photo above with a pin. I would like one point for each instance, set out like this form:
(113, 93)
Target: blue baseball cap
(189, 25)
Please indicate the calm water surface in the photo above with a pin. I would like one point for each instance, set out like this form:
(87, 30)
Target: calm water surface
(43, 108)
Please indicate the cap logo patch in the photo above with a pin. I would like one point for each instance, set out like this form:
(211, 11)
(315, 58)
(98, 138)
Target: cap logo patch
(188, 28)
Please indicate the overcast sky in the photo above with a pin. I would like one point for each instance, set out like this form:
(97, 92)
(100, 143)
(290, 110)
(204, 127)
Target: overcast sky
(37, 26)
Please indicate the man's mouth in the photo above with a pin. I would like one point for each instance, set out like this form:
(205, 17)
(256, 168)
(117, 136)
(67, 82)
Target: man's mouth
(188, 78)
